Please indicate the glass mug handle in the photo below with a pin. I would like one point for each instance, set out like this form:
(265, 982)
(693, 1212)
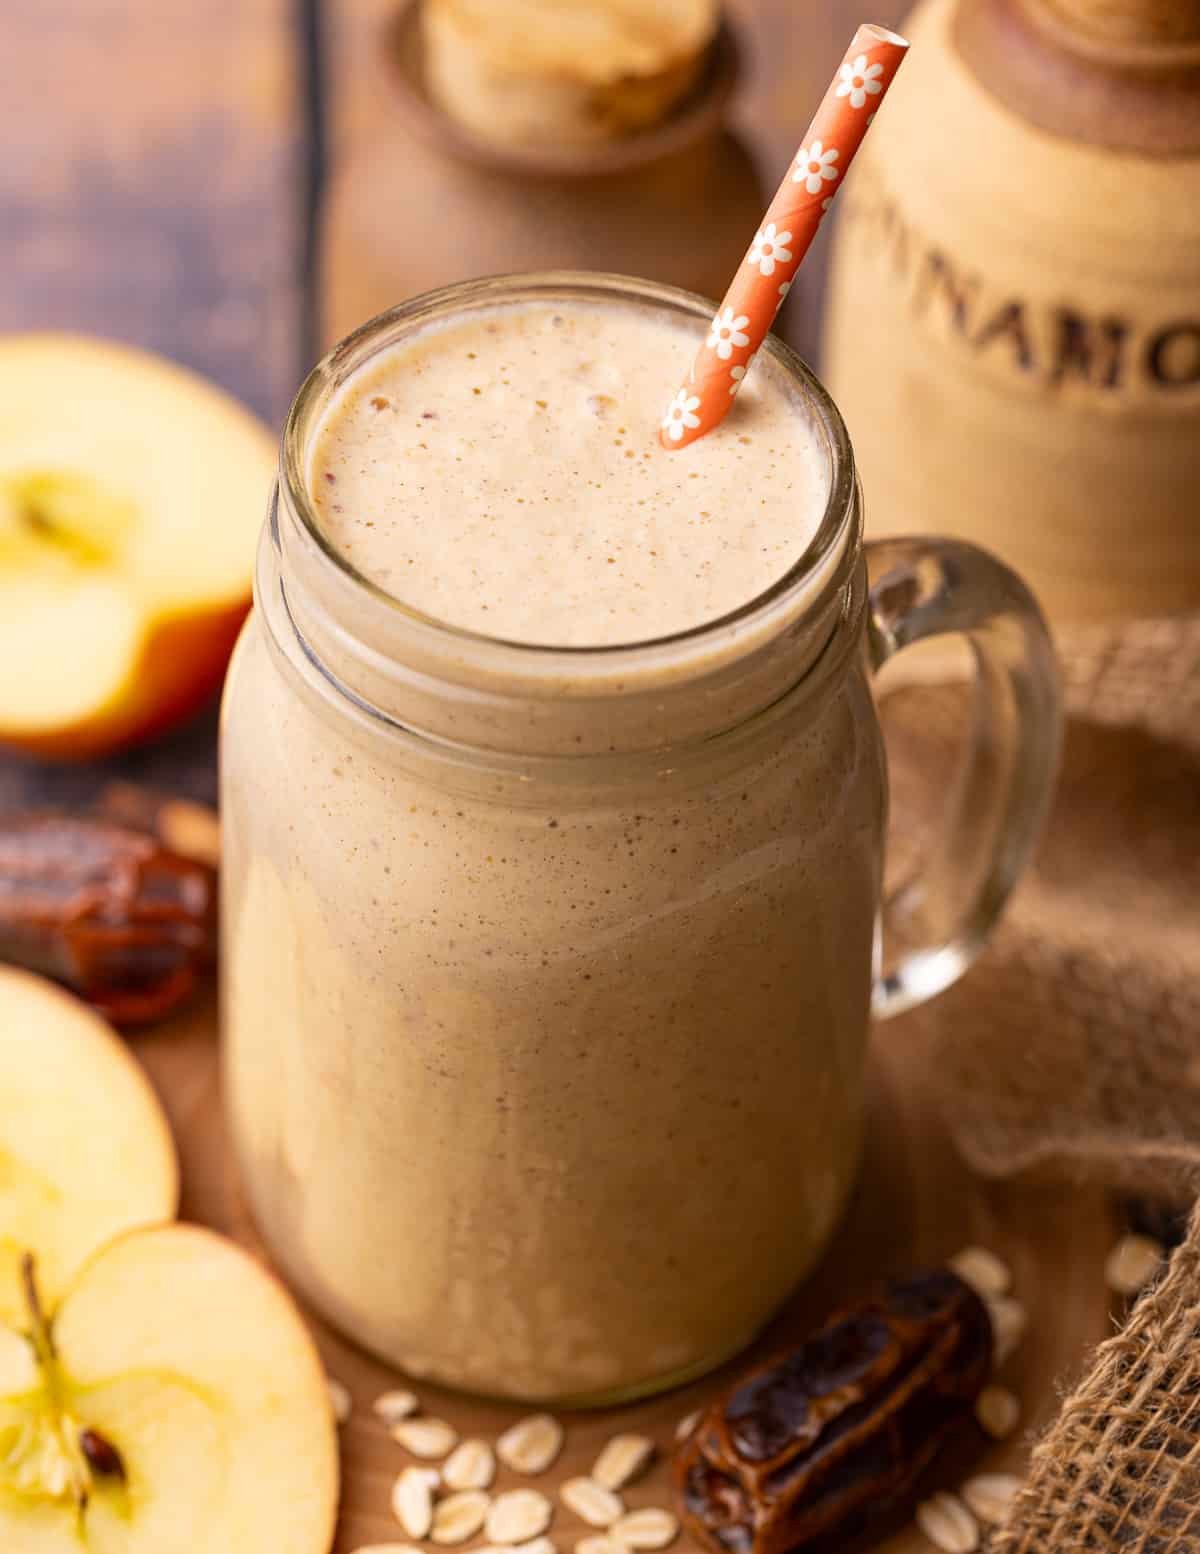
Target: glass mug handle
(938, 920)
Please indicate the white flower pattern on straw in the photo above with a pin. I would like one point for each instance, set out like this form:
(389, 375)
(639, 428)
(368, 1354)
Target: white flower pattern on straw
(728, 333)
(784, 288)
(769, 248)
(814, 166)
(681, 414)
(858, 81)
(786, 230)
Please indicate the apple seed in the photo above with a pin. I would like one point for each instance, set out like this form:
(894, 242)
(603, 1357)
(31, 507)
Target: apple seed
(102, 1456)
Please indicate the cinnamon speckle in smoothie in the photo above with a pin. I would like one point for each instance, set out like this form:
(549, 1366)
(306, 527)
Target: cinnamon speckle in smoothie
(531, 418)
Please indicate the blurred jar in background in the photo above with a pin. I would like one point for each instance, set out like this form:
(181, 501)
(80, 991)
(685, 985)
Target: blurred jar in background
(519, 135)
(1014, 324)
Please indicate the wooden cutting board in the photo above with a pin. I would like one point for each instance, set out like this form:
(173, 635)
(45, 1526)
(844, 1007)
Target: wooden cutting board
(916, 1204)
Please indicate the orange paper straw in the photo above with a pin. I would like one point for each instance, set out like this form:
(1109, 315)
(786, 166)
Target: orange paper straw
(763, 278)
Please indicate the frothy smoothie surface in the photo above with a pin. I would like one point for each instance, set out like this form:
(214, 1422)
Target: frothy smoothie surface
(502, 472)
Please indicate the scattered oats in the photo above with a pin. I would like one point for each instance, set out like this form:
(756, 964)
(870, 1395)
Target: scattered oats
(1132, 1263)
(531, 1445)
(471, 1465)
(518, 1516)
(339, 1399)
(430, 1438)
(537, 1546)
(987, 1275)
(460, 1516)
(650, 1528)
(1009, 1321)
(394, 1406)
(997, 1410)
(597, 1543)
(945, 1521)
(625, 1458)
(989, 1495)
(192, 830)
(412, 1502)
(597, 1506)
(687, 1425)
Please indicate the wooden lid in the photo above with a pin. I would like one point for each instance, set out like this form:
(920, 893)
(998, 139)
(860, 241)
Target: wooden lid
(700, 114)
(592, 41)
(1123, 74)
(531, 73)
(1125, 24)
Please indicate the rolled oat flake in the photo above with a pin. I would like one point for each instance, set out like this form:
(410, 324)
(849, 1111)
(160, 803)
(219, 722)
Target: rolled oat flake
(412, 1502)
(998, 1411)
(947, 1523)
(625, 1458)
(471, 1465)
(430, 1438)
(649, 1528)
(395, 1405)
(591, 1502)
(531, 1445)
(517, 1516)
(989, 1495)
(459, 1516)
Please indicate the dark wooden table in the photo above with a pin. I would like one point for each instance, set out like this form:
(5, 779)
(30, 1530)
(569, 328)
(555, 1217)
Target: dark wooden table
(159, 183)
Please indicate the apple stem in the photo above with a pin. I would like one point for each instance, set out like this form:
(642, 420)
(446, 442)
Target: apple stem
(43, 1343)
(47, 1359)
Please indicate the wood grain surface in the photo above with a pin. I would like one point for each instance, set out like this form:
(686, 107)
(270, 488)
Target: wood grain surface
(152, 189)
(916, 1204)
(151, 179)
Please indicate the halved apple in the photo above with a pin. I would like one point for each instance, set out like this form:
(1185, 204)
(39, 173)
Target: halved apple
(85, 1148)
(174, 1404)
(131, 497)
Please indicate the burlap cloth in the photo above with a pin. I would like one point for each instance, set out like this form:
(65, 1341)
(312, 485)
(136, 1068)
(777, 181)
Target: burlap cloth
(1074, 1045)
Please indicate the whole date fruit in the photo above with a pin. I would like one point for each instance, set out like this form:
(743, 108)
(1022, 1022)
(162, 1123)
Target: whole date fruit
(105, 909)
(802, 1451)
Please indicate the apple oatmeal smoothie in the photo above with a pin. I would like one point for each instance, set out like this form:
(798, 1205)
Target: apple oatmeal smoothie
(553, 808)
(502, 473)
(547, 979)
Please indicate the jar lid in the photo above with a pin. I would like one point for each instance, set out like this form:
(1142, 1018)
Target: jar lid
(589, 41)
(1131, 84)
(698, 113)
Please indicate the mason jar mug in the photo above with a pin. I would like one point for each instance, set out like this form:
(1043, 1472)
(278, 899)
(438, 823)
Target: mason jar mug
(547, 972)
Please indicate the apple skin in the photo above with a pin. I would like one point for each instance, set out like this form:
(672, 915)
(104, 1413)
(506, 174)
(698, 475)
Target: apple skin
(155, 697)
(78, 1111)
(258, 1356)
(192, 1361)
(132, 494)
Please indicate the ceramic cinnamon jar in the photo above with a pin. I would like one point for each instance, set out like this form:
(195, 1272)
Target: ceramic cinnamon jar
(1014, 322)
(470, 171)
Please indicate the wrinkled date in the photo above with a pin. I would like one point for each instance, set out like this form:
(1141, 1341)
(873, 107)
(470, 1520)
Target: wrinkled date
(808, 1447)
(105, 909)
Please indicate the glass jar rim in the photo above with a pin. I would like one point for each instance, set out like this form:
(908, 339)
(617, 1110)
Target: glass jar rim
(833, 541)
